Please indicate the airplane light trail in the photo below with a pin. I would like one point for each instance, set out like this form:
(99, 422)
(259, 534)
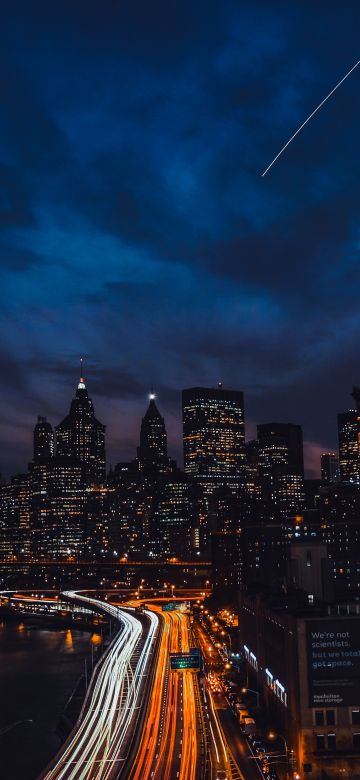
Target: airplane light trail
(310, 117)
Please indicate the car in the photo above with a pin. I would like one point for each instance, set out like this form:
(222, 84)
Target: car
(241, 710)
(249, 727)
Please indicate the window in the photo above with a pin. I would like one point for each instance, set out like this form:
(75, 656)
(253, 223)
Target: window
(355, 717)
(356, 741)
(320, 742)
(330, 717)
(331, 740)
(319, 718)
(308, 558)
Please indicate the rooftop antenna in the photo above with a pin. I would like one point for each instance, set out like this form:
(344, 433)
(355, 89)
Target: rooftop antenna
(81, 385)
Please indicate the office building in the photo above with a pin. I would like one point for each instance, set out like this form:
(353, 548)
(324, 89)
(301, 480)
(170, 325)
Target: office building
(281, 466)
(302, 656)
(349, 442)
(280, 448)
(97, 532)
(253, 487)
(329, 467)
(227, 563)
(152, 453)
(57, 509)
(214, 437)
(131, 506)
(80, 437)
(15, 518)
(348, 430)
(44, 441)
(177, 528)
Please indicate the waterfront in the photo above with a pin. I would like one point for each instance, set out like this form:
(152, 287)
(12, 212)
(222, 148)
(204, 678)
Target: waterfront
(38, 672)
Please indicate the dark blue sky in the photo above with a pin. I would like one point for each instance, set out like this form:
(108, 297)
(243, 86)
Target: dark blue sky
(136, 228)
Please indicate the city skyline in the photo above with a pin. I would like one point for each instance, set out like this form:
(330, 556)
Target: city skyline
(126, 447)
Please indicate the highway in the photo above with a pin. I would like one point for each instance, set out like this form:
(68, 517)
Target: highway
(169, 745)
(97, 748)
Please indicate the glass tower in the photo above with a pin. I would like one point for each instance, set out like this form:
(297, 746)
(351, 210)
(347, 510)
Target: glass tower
(214, 437)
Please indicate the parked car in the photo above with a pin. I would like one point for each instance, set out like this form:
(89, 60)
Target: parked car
(249, 726)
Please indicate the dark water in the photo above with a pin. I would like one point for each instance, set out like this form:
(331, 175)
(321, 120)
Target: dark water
(38, 672)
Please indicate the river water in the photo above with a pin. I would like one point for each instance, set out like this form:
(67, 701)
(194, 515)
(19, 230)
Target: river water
(38, 672)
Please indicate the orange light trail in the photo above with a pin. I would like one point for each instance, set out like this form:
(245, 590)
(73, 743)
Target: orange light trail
(164, 707)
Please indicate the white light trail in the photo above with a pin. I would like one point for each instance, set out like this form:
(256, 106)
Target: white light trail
(310, 117)
(109, 710)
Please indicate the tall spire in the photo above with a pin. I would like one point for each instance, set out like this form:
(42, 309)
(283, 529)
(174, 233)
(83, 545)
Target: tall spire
(81, 385)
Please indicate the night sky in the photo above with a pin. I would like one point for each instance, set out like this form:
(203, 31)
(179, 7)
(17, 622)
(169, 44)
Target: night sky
(136, 228)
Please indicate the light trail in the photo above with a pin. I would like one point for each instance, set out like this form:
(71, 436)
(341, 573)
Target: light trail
(169, 728)
(161, 750)
(189, 753)
(218, 727)
(109, 710)
(143, 763)
(310, 117)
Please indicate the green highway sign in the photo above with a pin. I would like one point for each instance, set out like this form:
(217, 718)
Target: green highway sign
(190, 660)
(171, 606)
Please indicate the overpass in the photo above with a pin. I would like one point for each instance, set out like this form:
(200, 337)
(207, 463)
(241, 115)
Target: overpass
(122, 563)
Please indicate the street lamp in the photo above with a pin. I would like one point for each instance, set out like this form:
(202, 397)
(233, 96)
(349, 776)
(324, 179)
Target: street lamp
(275, 735)
(251, 690)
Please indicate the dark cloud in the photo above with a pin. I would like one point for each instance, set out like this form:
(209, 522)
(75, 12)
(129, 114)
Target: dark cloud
(15, 259)
(136, 226)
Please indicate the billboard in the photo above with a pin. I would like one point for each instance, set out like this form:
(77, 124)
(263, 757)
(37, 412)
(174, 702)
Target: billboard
(190, 660)
(333, 652)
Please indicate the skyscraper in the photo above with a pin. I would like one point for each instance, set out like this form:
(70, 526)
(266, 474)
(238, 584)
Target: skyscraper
(281, 448)
(14, 517)
(57, 509)
(252, 469)
(152, 452)
(130, 508)
(177, 521)
(80, 437)
(281, 465)
(44, 444)
(348, 432)
(329, 467)
(214, 437)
